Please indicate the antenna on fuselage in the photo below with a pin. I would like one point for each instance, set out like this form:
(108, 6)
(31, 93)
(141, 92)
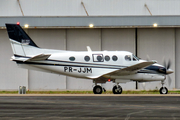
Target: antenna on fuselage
(89, 49)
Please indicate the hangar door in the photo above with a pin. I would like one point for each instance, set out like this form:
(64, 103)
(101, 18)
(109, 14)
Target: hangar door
(120, 40)
(77, 40)
(158, 44)
(10, 75)
(177, 58)
(50, 39)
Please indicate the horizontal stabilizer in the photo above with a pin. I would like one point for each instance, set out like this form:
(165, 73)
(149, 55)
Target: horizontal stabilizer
(39, 57)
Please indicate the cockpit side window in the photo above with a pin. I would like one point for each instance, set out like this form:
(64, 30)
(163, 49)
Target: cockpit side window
(128, 57)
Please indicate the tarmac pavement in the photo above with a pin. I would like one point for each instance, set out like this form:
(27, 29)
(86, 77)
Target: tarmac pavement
(90, 107)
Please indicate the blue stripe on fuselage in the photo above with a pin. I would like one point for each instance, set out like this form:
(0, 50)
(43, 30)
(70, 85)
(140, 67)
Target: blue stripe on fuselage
(155, 68)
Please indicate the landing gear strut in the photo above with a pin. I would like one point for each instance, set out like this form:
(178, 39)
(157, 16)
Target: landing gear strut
(117, 89)
(163, 90)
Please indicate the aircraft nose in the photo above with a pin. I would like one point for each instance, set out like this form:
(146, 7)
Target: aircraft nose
(169, 71)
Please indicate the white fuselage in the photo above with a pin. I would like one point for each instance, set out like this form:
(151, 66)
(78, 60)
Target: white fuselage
(94, 65)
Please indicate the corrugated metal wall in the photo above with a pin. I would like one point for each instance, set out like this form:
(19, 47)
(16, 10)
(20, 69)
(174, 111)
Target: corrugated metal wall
(93, 7)
(177, 58)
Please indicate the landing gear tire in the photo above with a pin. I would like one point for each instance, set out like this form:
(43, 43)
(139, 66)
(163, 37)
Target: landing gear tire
(97, 89)
(163, 90)
(117, 89)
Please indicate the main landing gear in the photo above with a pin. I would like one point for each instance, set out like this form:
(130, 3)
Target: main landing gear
(163, 90)
(97, 89)
(117, 89)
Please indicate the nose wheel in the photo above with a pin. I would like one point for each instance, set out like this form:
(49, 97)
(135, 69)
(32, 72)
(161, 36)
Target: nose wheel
(117, 89)
(163, 90)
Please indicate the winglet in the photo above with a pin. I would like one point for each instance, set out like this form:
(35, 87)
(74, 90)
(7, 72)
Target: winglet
(89, 49)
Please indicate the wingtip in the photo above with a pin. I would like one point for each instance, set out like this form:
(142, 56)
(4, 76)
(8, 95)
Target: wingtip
(154, 61)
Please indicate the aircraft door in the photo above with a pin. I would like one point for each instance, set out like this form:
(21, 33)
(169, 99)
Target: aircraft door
(98, 58)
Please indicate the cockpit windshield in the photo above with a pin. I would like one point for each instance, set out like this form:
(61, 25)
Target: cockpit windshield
(135, 58)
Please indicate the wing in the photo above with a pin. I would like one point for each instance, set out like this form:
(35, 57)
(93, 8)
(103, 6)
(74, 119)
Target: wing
(104, 75)
(39, 57)
(130, 70)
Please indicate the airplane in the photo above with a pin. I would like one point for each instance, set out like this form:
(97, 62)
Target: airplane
(99, 66)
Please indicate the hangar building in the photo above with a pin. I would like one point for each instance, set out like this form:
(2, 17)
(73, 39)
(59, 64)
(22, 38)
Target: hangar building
(126, 25)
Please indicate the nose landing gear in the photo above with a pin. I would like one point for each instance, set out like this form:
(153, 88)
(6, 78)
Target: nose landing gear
(163, 90)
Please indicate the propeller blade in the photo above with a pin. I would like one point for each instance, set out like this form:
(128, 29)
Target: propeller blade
(169, 80)
(168, 65)
(147, 57)
(164, 63)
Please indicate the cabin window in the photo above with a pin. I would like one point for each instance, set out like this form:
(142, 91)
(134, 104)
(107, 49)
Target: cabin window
(114, 58)
(107, 58)
(128, 57)
(72, 58)
(87, 58)
(98, 58)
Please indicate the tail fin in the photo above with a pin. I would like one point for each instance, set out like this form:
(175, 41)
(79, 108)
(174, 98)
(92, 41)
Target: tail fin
(21, 43)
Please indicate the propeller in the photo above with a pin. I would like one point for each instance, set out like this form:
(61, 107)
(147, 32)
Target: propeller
(169, 80)
(167, 66)
(167, 70)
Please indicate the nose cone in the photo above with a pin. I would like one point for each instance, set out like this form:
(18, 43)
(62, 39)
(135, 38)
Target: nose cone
(169, 71)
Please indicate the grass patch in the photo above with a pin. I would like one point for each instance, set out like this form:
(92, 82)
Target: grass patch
(90, 92)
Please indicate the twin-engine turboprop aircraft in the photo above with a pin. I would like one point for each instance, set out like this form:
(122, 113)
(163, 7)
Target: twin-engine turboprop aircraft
(99, 66)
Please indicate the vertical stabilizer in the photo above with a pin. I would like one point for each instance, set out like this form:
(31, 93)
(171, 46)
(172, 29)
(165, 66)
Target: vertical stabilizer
(21, 43)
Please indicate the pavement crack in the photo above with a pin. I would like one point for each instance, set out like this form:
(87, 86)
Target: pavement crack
(129, 115)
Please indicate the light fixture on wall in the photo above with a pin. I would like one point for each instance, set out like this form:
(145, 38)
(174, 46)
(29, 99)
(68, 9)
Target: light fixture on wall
(91, 25)
(26, 25)
(155, 25)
